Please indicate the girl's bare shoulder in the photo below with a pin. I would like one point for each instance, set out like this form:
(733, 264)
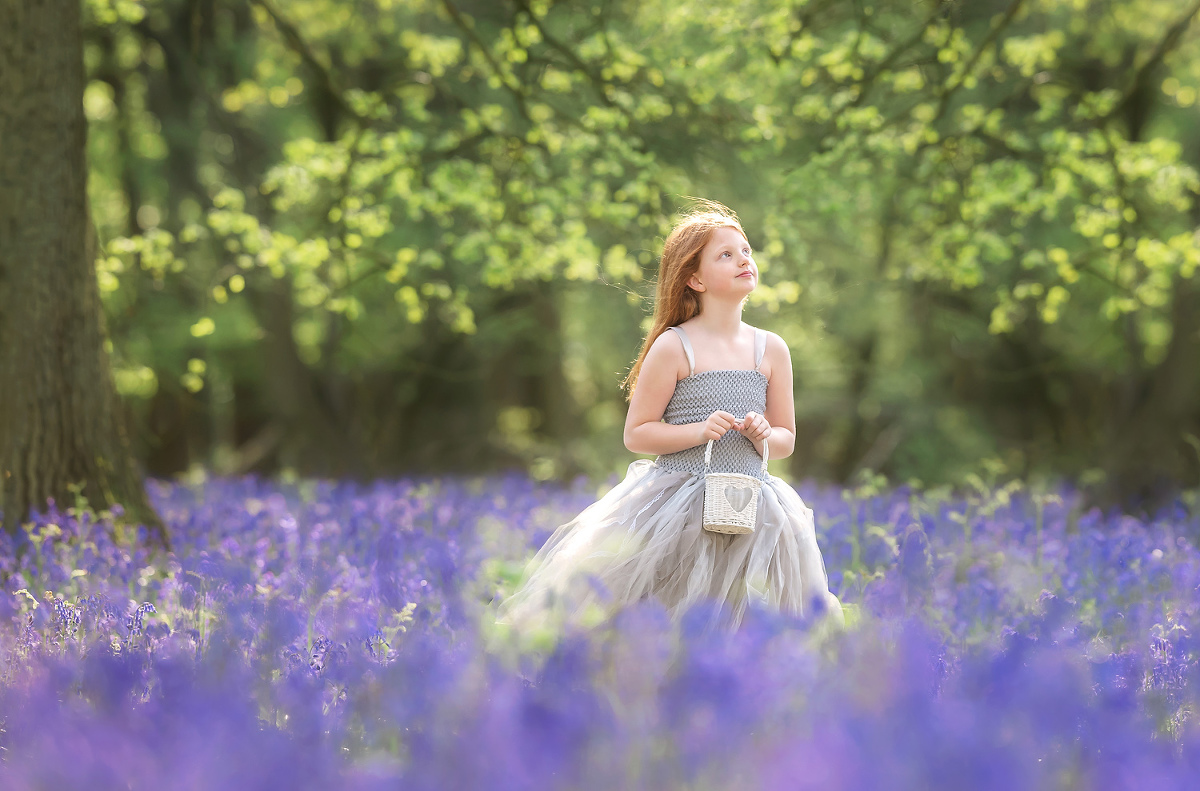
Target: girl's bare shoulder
(667, 351)
(666, 342)
(774, 341)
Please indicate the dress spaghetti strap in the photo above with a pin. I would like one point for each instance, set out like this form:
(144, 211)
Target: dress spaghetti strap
(687, 349)
(760, 347)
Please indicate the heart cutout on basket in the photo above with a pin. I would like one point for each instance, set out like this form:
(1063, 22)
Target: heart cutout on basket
(738, 496)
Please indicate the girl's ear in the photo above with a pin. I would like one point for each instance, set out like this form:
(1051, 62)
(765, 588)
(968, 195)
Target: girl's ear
(695, 284)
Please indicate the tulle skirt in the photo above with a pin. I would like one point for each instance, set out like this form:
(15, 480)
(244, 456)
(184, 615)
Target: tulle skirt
(644, 540)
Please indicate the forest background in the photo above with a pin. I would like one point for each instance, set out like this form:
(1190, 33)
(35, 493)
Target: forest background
(360, 238)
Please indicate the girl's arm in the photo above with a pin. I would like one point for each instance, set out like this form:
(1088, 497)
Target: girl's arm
(781, 409)
(665, 364)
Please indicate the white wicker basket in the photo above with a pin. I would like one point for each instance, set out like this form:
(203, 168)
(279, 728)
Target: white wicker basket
(730, 498)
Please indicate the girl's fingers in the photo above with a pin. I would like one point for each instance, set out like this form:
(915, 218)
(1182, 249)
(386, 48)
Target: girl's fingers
(753, 425)
(720, 422)
(758, 428)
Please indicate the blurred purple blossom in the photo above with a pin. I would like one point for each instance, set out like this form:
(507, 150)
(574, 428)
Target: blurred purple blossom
(325, 634)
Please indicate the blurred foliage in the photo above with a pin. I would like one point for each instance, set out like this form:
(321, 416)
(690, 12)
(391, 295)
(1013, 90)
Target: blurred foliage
(356, 237)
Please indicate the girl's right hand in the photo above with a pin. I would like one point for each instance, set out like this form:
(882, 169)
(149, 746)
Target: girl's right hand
(715, 427)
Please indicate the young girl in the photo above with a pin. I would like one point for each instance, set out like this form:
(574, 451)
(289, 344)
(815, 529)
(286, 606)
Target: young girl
(702, 375)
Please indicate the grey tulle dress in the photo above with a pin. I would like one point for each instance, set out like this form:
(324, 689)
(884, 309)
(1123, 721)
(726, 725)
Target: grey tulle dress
(644, 539)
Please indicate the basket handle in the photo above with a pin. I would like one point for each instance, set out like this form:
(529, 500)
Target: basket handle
(766, 454)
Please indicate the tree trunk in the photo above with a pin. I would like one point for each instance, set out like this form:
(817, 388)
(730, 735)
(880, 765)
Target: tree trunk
(314, 441)
(60, 421)
(1148, 456)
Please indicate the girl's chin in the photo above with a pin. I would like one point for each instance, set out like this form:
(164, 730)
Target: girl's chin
(742, 287)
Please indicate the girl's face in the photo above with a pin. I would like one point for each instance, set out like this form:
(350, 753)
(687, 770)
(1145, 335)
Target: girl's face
(727, 267)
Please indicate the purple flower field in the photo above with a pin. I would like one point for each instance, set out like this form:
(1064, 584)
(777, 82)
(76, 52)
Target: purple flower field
(332, 636)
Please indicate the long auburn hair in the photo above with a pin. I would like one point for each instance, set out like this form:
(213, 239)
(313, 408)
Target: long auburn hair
(674, 300)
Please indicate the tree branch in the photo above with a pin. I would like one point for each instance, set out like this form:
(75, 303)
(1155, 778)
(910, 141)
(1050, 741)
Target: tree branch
(324, 75)
(1164, 47)
(505, 80)
(944, 99)
(597, 82)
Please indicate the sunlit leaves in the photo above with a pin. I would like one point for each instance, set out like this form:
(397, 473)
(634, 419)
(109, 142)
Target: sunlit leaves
(193, 378)
(98, 101)
(205, 326)
(109, 12)
(1033, 53)
(437, 152)
(138, 381)
(251, 93)
(153, 251)
(433, 54)
(1183, 95)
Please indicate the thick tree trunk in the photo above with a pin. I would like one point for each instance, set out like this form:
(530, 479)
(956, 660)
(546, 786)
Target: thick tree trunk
(60, 422)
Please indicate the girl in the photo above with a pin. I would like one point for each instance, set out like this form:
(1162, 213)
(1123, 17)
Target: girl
(702, 375)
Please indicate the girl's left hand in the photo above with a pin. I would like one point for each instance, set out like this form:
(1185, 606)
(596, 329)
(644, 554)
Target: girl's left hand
(753, 427)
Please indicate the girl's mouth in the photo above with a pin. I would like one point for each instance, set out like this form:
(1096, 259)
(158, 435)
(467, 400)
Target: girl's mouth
(746, 274)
